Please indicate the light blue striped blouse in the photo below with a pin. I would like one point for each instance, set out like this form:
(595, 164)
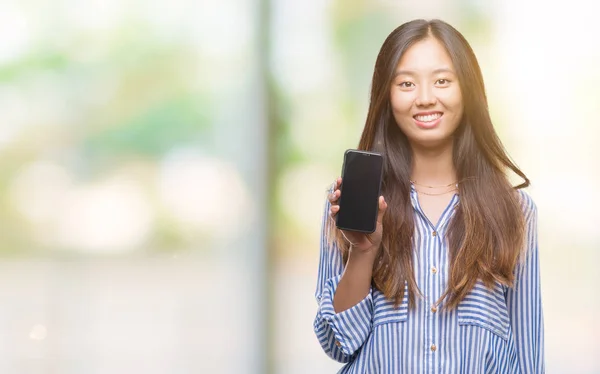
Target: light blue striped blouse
(491, 331)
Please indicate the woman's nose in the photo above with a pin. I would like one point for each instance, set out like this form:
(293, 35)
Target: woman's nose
(425, 97)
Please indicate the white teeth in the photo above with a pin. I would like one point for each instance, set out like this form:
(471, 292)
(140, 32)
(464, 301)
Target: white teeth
(428, 118)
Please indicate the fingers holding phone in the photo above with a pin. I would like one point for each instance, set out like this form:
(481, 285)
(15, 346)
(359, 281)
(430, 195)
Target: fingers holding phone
(359, 240)
(334, 198)
(356, 205)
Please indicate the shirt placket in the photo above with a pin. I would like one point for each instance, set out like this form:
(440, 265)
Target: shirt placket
(435, 276)
(435, 282)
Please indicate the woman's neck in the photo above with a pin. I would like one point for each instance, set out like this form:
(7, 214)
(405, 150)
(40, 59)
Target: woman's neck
(433, 167)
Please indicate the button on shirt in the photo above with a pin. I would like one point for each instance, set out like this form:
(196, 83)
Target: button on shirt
(498, 330)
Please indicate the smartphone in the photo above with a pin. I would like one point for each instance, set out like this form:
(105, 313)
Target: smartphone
(361, 185)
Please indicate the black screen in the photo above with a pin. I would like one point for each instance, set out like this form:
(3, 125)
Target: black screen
(361, 180)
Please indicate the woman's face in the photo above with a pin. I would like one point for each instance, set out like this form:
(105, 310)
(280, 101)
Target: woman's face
(425, 95)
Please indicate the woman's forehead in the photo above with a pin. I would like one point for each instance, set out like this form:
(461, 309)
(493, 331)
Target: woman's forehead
(428, 55)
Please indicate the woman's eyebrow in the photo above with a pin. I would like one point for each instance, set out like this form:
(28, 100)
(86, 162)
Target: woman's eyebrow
(413, 73)
(443, 70)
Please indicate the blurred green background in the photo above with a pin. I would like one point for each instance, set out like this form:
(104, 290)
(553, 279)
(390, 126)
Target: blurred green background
(163, 168)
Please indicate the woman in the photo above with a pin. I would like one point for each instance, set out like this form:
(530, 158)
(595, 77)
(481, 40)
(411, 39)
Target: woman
(449, 281)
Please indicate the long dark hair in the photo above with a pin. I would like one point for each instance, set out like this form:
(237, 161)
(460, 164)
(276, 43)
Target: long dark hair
(486, 233)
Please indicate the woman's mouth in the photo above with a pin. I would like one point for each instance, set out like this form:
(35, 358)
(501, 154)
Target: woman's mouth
(428, 120)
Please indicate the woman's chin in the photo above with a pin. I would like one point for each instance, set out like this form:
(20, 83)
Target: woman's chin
(431, 141)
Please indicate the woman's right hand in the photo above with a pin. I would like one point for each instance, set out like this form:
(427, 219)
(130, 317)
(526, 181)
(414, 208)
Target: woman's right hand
(358, 240)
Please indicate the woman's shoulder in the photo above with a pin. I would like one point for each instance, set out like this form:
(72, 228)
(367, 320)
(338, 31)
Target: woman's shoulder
(527, 203)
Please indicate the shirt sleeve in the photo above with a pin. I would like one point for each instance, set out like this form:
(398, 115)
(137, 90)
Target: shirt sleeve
(524, 300)
(340, 334)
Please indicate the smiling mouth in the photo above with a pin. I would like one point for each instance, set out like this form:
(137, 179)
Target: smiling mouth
(428, 118)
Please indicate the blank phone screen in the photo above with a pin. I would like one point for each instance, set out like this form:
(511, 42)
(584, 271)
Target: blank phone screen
(361, 181)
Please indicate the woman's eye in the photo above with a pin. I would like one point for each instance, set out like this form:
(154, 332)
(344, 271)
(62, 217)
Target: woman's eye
(406, 84)
(443, 81)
